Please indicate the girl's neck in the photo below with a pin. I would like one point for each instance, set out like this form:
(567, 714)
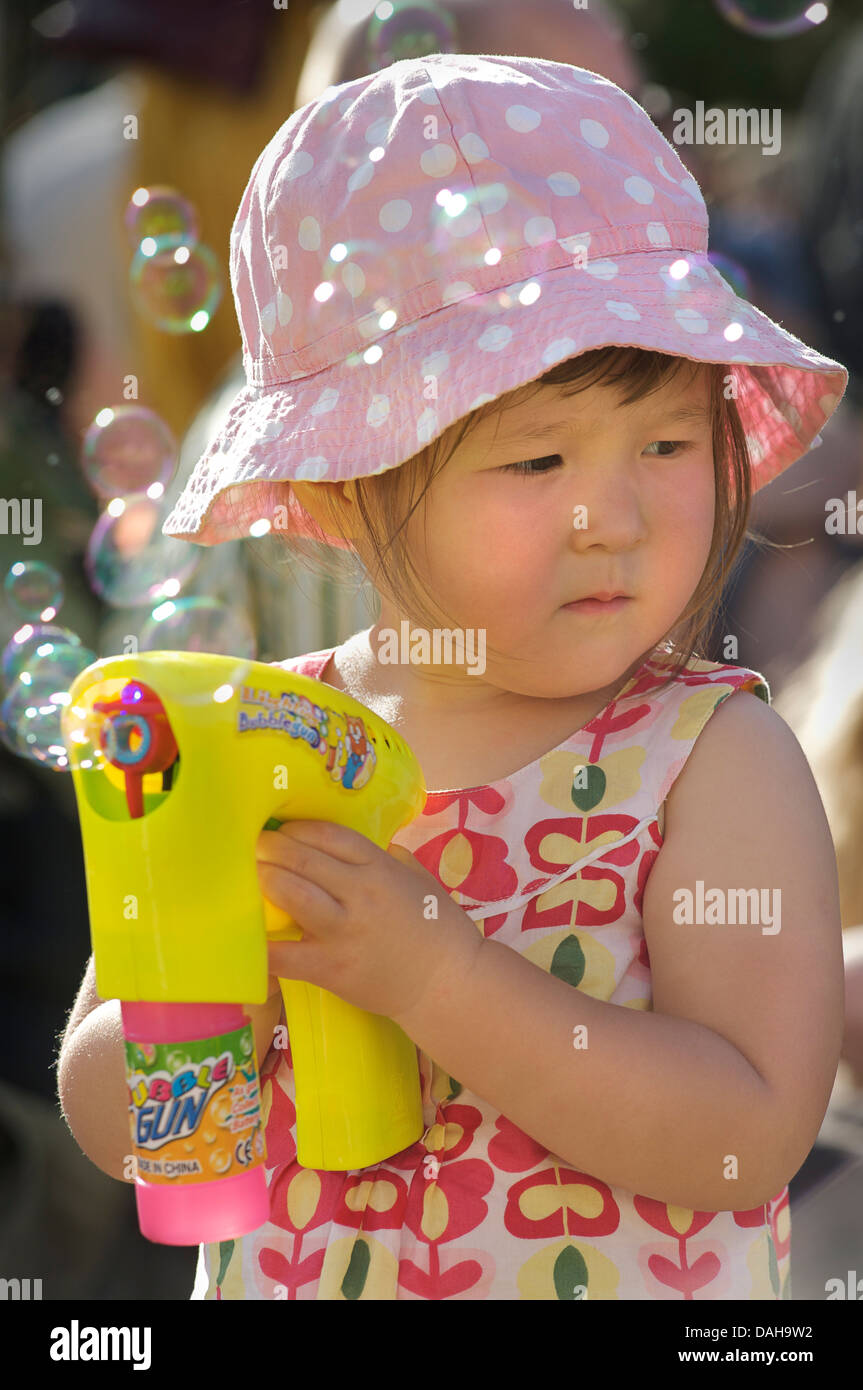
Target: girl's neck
(464, 744)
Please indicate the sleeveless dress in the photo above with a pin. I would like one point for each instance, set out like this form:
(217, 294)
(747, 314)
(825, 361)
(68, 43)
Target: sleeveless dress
(476, 1208)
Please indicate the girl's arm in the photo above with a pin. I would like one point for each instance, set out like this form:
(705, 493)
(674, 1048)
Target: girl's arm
(714, 1098)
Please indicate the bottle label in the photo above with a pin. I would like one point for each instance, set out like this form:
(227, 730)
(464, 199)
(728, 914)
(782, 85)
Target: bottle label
(195, 1108)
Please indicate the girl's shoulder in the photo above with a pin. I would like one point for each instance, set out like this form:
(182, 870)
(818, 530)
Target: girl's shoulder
(740, 744)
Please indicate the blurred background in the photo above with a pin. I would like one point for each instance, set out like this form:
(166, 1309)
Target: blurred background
(116, 370)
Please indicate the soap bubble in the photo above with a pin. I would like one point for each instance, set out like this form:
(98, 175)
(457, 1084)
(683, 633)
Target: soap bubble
(33, 642)
(160, 211)
(128, 561)
(177, 287)
(773, 19)
(408, 29)
(32, 709)
(128, 448)
(34, 588)
(199, 624)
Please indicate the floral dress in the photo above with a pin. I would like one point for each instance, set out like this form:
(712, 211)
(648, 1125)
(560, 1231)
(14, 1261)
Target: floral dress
(555, 867)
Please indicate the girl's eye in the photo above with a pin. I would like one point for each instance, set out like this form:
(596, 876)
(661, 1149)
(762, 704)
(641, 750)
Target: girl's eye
(524, 466)
(675, 444)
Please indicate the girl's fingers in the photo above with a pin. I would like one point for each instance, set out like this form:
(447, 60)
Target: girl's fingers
(305, 901)
(305, 861)
(286, 964)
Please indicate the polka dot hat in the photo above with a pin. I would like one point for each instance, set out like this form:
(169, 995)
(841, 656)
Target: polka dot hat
(421, 240)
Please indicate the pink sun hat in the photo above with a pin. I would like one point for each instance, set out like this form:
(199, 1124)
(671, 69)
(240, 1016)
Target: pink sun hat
(420, 241)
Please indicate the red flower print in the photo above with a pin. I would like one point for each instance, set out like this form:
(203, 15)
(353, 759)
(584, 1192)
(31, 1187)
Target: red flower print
(560, 1202)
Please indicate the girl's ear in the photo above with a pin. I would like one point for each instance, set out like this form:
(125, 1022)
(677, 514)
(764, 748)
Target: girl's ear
(326, 501)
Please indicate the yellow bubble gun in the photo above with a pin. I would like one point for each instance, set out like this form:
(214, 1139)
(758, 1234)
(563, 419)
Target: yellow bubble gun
(179, 760)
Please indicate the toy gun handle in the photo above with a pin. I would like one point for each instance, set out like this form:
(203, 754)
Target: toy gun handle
(346, 1117)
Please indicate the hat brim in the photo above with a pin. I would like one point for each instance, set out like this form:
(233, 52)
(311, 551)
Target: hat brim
(358, 418)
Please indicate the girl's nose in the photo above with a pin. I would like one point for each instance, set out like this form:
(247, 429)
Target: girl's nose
(606, 512)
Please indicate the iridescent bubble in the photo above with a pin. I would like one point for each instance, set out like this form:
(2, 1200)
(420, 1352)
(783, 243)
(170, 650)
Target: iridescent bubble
(31, 712)
(773, 19)
(199, 624)
(160, 211)
(175, 286)
(129, 562)
(735, 274)
(128, 448)
(408, 29)
(34, 588)
(33, 642)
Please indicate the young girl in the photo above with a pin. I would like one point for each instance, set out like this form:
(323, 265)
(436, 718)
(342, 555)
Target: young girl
(487, 353)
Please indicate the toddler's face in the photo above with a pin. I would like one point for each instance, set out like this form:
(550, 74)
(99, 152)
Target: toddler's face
(607, 504)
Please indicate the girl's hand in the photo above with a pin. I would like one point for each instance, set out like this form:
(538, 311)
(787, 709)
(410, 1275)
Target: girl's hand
(370, 934)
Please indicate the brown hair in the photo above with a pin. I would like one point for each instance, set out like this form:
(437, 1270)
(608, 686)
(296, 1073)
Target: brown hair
(386, 501)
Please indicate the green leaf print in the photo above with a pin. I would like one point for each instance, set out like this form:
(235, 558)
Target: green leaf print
(357, 1271)
(585, 798)
(570, 1275)
(567, 963)
(226, 1250)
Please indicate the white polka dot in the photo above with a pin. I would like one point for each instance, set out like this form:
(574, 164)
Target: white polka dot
(369, 326)
(792, 415)
(640, 189)
(395, 215)
(579, 241)
(538, 230)
(662, 169)
(691, 320)
(429, 96)
(435, 363)
(558, 349)
(494, 338)
(601, 270)
(658, 234)
(756, 448)
(466, 222)
(295, 164)
(493, 197)
(268, 317)
(457, 290)
(378, 133)
(309, 234)
(378, 411)
(565, 185)
(473, 147)
(828, 403)
(622, 309)
(438, 161)
(284, 308)
(595, 133)
(353, 279)
(326, 402)
(426, 427)
(483, 399)
(312, 469)
(522, 118)
(361, 176)
(270, 430)
(691, 187)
